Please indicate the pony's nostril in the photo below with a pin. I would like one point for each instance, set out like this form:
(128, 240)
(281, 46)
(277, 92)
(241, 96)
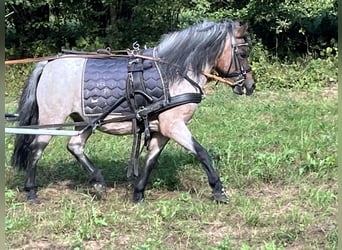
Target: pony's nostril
(250, 88)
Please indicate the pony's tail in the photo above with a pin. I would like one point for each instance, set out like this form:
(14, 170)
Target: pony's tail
(28, 115)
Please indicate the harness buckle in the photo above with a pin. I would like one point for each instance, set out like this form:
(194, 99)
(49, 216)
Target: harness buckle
(136, 45)
(140, 114)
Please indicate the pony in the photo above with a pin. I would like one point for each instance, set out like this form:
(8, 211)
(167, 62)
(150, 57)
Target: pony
(183, 58)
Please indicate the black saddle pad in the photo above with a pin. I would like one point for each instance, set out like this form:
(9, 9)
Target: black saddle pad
(104, 83)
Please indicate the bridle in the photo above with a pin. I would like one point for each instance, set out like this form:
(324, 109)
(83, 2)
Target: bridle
(240, 73)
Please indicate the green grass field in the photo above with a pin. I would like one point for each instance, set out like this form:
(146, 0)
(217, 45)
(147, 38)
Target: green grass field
(275, 152)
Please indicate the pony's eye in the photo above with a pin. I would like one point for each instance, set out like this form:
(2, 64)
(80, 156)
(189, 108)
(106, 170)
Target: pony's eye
(243, 54)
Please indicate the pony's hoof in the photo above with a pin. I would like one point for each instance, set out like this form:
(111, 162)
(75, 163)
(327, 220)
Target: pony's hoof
(34, 201)
(141, 202)
(99, 187)
(138, 198)
(32, 196)
(220, 198)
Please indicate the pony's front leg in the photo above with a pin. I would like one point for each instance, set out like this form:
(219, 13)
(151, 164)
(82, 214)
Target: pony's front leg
(214, 179)
(179, 132)
(155, 147)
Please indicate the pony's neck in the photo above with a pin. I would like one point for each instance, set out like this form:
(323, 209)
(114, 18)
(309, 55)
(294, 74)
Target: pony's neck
(203, 81)
(184, 86)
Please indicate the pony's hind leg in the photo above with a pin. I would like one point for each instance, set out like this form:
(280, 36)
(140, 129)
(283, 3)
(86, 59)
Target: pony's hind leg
(26, 154)
(36, 149)
(155, 147)
(179, 132)
(76, 148)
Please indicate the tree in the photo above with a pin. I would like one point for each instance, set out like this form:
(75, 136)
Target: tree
(285, 27)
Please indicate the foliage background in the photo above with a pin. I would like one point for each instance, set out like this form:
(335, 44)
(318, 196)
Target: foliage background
(294, 41)
(284, 27)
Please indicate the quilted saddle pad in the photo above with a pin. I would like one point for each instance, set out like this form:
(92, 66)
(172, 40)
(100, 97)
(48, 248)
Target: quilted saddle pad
(104, 83)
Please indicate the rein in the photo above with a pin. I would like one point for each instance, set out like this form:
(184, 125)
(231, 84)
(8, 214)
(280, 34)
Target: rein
(100, 53)
(49, 58)
(28, 60)
(106, 55)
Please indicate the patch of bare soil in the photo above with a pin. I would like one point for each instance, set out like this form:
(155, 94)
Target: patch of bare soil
(283, 204)
(278, 205)
(275, 205)
(42, 244)
(331, 91)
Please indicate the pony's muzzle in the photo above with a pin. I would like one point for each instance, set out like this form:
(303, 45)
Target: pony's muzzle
(250, 88)
(247, 89)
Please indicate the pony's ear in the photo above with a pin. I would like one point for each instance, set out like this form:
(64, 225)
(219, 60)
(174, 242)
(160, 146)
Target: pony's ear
(242, 31)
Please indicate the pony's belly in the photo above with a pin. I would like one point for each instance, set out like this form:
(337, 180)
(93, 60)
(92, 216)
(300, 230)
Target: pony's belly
(125, 128)
(117, 128)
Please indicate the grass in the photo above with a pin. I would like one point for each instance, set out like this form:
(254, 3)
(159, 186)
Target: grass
(275, 152)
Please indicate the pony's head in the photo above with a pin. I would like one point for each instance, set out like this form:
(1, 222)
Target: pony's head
(222, 46)
(233, 64)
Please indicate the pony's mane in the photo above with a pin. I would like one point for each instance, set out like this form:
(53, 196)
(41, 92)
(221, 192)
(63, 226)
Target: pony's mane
(192, 47)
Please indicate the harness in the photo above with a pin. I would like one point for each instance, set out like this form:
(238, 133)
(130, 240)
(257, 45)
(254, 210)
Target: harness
(142, 106)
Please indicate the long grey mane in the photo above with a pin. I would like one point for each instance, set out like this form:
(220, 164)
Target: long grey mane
(192, 47)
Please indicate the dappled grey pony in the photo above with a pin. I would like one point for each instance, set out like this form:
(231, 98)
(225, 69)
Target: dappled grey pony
(153, 92)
